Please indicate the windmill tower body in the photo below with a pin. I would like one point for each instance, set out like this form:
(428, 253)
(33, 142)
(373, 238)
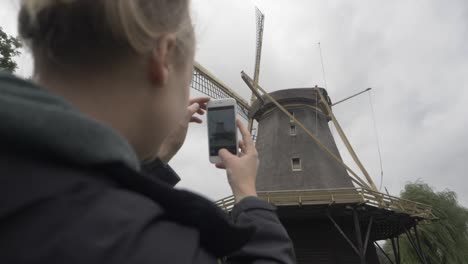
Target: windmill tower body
(291, 161)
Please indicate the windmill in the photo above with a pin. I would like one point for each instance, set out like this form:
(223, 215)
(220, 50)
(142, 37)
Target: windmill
(332, 214)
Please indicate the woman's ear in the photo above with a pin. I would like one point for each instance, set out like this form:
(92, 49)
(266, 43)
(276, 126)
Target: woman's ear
(161, 59)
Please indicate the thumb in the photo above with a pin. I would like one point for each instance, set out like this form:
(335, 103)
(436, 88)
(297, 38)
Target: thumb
(225, 155)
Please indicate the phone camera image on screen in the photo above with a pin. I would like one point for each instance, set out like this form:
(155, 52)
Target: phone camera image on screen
(222, 129)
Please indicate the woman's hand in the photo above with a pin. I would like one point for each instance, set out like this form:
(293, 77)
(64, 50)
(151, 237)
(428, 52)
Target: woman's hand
(176, 138)
(241, 170)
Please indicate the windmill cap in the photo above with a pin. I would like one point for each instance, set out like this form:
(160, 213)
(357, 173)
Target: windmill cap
(308, 96)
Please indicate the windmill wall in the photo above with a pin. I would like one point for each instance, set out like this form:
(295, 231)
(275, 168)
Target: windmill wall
(278, 146)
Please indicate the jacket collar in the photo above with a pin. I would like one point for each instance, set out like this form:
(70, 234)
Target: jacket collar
(218, 234)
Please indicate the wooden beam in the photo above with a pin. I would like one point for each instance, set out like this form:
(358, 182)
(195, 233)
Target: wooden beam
(346, 141)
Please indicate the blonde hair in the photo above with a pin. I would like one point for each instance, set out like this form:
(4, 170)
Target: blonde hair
(80, 31)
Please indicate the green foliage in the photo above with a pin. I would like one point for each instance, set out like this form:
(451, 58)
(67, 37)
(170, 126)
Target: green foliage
(444, 241)
(9, 48)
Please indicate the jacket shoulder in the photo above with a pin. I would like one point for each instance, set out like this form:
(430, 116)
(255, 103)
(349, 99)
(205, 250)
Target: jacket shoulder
(120, 226)
(87, 221)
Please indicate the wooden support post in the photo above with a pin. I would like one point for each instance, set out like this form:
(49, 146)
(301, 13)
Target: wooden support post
(398, 247)
(385, 253)
(369, 228)
(418, 241)
(413, 243)
(357, 230)
(346, 141)
(342, 233)
(396, 250)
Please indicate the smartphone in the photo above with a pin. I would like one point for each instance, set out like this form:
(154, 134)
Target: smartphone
(222, 130)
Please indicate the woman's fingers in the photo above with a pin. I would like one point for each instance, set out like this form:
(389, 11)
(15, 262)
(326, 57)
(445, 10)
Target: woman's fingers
(225, 156)
(196, 105)
(193, 108)
(195, 119)
(242, 146)
(220, 166)
(247, 138)
(202, 101)
(200, 111)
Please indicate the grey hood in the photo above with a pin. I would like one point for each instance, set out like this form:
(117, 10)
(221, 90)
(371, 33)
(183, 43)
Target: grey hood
(38, 120)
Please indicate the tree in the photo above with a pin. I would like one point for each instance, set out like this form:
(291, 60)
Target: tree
(446, 240)
(9, 48)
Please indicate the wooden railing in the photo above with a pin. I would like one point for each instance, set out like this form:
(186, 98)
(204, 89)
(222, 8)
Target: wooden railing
(339, 196)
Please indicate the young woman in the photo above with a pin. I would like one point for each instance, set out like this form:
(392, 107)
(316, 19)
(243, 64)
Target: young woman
(84, 151)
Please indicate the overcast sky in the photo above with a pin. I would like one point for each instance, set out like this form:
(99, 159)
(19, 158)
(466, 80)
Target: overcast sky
(414, 54)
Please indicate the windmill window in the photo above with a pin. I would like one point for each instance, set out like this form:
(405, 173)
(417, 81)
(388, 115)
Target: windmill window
(291, 119)
(292, 130)
(296, 164)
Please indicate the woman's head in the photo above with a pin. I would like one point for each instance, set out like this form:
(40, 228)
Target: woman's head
(78, 32)
(89, 38)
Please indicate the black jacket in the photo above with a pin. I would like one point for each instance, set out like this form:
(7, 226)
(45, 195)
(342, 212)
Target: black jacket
(73, 191)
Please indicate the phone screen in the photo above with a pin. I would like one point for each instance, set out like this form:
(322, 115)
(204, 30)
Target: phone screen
(222, 129)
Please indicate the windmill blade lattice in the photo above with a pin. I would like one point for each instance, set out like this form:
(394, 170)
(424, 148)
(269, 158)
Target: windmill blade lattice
(204, 82)
(260, 21)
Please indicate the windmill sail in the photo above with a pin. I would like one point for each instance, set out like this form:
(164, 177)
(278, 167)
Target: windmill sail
(204, 82)
(260, 20)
